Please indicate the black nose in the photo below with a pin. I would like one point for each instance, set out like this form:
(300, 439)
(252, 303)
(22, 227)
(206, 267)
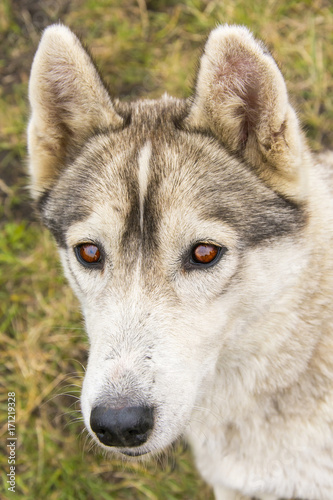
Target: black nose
(125, 427)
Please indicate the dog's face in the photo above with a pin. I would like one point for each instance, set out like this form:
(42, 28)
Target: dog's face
(166, 227)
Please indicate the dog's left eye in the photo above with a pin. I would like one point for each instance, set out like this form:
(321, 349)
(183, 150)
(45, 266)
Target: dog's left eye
(205, 255)
(88, 254)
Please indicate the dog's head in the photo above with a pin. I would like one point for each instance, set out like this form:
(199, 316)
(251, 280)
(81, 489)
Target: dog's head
(165, 213)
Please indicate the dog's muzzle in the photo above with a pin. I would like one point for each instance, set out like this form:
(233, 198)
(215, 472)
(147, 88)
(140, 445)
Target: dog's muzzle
(123, 428)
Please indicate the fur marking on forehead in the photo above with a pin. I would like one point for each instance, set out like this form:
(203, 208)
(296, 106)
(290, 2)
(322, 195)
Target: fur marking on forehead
(143, 160)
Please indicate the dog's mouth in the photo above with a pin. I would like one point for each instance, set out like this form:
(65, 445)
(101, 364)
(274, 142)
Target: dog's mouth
(134, 453)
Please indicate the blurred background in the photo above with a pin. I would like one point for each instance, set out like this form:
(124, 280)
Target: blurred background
(143, 48)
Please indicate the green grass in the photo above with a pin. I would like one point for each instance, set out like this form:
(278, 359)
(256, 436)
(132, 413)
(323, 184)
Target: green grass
(143, 48)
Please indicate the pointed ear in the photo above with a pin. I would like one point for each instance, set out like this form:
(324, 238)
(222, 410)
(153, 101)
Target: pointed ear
(241, 97)
(68, 102)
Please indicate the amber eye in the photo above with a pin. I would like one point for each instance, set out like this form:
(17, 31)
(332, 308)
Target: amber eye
(88, 254)
(205, 253)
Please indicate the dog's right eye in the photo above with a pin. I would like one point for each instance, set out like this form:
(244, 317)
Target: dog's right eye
(88, 255)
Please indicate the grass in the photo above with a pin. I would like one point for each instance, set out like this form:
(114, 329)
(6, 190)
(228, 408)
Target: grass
(143, 48)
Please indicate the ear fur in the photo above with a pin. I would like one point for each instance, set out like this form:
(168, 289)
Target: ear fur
(68, 103)
(242, 98)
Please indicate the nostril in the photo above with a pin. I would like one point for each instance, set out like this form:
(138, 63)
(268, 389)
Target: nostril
(124, 427)
(100, 433)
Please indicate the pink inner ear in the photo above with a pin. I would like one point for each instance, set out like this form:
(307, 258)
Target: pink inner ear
(238, 77)
(241, 97)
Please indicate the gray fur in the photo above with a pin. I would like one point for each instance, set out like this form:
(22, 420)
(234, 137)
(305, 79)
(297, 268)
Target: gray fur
(228, 191)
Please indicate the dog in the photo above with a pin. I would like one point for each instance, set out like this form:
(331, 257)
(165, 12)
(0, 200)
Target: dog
(197, 234)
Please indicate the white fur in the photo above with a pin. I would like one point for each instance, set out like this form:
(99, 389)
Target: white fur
(144, 158)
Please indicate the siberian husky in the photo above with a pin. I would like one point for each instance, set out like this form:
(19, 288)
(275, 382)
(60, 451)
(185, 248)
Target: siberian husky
(197, 235)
